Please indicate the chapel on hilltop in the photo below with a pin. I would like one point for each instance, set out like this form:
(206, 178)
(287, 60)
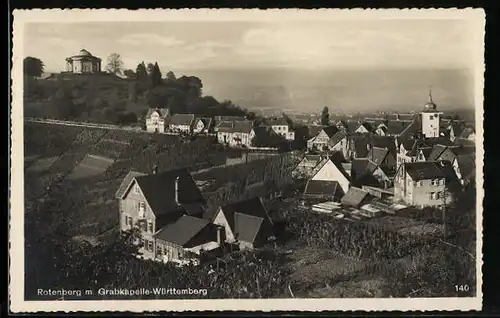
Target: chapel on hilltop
(83, 63)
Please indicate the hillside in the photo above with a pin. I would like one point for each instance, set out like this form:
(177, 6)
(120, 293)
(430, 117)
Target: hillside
(106, 98)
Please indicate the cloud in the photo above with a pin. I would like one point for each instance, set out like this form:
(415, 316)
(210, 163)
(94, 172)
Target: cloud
(150, 38)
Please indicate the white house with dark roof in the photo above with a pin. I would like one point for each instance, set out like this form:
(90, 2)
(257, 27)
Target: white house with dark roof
(422, 184)
(321, 141)
(181, 123)
(157, 120)
(281, 127)
(306, 165)
(152, 202)
(235, 133)
(202, 125)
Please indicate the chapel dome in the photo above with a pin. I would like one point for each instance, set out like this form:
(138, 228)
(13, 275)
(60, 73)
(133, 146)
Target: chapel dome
(84, 52)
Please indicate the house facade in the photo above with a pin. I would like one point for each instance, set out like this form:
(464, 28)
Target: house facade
(339, 143)
(235, 134)
(157, 201)
(321, 140)
(281, 127)
(421, 184)
(329, 171)
(202, 125)
(181, 123)
(157, 120)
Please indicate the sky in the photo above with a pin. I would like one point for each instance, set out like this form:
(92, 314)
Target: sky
(303, 44)
(288, 64)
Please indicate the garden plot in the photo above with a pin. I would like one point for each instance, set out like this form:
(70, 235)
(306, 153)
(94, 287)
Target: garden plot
(91, 165)
(42, 164)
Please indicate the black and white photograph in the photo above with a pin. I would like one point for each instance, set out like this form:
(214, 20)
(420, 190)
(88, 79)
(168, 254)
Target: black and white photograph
(246, 160)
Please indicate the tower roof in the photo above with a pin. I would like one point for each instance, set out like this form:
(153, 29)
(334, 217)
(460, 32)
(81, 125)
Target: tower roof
(430, 105)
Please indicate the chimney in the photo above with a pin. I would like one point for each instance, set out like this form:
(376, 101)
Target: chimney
(220, 235)
(176, 190)
(155, 169)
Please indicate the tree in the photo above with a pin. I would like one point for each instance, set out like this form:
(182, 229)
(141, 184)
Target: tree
(114, 64)
(171, 76)
(130, 74)
(325, 117)
(155, 75)
(141, 73)
(33, 67)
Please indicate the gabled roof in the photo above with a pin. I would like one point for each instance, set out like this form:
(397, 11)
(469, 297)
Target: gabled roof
(335, 139)
(360, 145)
(466, 132)
(396, 127)
(352, 126)
(229, 118)
(225, 124)
(247, 226)
(424, 170)
(457, 128)
(237, 127)
(261, 132)
(377, 155)
(278, 122)
(313, 158)
(463, 142)
(182, 230)
(354, 197)
(182, 119)
(436, 152)
(159, 191)
(207, 121)
(323, 162)
(163, 112)
(126, 183)
(322, 187)
(466, 165)
(330, 131)
(247, 217)
(426, 151)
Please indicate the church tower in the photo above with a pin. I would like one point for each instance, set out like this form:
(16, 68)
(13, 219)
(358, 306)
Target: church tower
(430, 119)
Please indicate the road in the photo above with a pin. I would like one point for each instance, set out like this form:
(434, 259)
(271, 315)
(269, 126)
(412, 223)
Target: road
(81, 124)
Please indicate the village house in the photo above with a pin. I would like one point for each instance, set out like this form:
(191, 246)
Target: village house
(329, 181)
(321, 140)
(366, 172)
(465, 168)
(281, 127)
(235, 134)
(339, 143)
(155, 201)
(181, 123)
(382, 157)
(245, 223)
(186, 239)
(157, 120)
(202, 125)
(422, 184)
(306, 166)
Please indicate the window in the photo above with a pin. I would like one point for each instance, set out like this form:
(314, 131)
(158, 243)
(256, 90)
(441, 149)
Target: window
(150, 246)
(150, 226)
(142, 242)
(420, 183)
(141, 206)
(159, 250)
(130, 221)
(433, 182)
(136, 189)
(437, 195)
(125, 218)
(415, 183)
(432, 195)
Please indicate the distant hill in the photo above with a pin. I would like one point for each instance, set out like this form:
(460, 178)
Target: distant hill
(341, 90)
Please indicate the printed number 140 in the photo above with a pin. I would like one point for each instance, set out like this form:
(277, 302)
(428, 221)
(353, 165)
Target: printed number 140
(462, 288)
